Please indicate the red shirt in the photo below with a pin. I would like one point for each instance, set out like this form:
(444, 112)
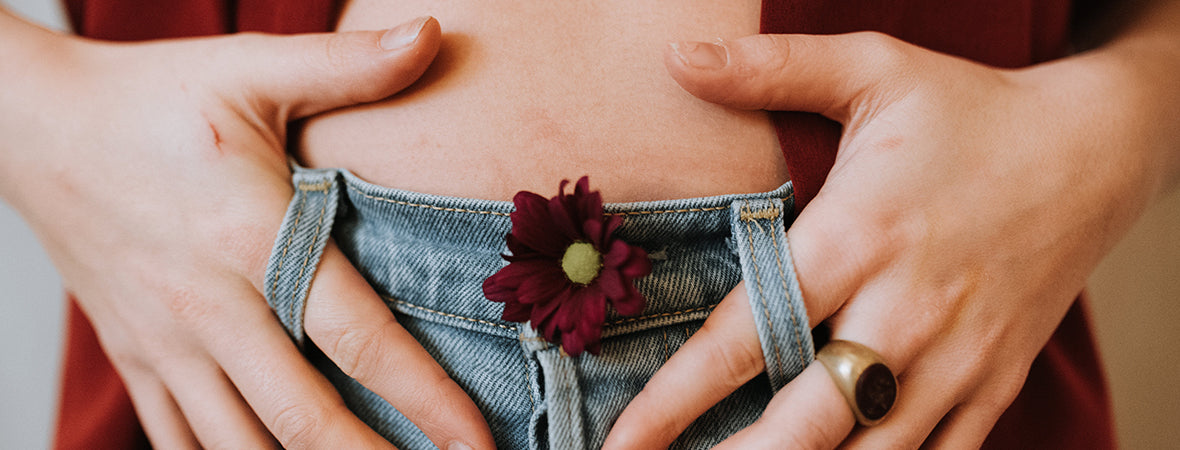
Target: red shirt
(1064, 403)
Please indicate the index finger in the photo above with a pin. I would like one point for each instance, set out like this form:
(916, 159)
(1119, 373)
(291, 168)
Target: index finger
(351, 324)
(718, 359)
(298, 405)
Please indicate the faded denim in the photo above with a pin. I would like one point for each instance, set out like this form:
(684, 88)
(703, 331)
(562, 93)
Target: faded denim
(427, 255)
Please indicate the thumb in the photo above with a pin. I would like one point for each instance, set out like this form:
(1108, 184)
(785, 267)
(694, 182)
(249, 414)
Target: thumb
(307, 74)
(831, 75)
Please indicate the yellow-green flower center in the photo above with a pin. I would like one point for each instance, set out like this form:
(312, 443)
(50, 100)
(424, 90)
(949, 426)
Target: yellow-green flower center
(581, 262)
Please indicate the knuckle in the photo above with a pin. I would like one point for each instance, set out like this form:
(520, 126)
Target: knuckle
(187, 306)
(337, 49)
(737, 364)
(882, 49)
(813, 434)
(300, 425)
(774, 57)
(129, 363)
(1005, 391)
(244, 246)
(357, 349)
(341, 51)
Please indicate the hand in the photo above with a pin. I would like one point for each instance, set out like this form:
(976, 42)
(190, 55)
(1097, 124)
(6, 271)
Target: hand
(965, 210)
(157, 178)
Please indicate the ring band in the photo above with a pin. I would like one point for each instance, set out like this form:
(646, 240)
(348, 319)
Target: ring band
(866, 382)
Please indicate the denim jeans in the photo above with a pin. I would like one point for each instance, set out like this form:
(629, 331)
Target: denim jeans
(427, 256)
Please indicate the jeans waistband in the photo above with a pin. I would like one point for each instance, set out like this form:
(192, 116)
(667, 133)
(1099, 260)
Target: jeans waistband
(429, 254)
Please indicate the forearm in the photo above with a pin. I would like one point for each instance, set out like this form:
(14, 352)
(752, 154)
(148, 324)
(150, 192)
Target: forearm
(33, 67)
(1141, 50)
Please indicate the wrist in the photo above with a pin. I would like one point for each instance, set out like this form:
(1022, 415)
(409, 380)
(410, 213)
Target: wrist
(38, 65)
(1126, 96)
(1144, 58)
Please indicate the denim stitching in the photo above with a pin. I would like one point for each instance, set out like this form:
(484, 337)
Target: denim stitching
(668, 211)
(290, 237)
(762, 297)
(790, 305)
(322, 186)
(307, 256)
(497, 213)
(667, 314)
(512, 328)
(453, 316)
(529, 386)
(418, 205)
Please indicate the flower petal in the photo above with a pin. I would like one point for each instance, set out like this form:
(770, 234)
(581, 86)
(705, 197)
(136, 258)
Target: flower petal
(638, 265)
(533, 225)
(592, 229)
(516, 312)
(616, 255)
(612, 223)
(630, 304)
(544, 311)
(543, 285)
(612, 283)
(563, 220)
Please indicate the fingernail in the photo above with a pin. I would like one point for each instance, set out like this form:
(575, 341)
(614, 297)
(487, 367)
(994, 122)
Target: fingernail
(456, 445)
(701, 55)
(404, 34)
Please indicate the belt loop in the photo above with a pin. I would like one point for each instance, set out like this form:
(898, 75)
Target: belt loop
(759, 231)
(562, 396)
(299, 245)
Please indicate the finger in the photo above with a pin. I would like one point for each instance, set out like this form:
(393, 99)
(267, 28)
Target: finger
(809, 412)
(215, 411)
(967, 426)
(928, 385)
(297, 404)
(312, 73)
(833, 255)
(353, 326)
(719, 358)
(926, 393)
(830, 75)
(159, 414)
(969, 423)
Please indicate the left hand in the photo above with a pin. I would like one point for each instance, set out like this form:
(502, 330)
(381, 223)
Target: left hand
(965, 210)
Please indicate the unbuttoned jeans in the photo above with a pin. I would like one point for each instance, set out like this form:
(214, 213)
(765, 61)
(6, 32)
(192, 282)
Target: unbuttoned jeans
(428, 255)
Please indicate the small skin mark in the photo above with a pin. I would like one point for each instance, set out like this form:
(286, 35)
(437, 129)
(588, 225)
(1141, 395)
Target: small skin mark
(892, 143)
(216, 135)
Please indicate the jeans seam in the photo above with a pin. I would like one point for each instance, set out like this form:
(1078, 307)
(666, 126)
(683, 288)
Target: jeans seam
(310, 247)
(498, 213)
(761, 296)
(512, 328)
(659, 315)
(790, 304)
(274, 287)
(419, 205)
(528, 385)
(446, 314)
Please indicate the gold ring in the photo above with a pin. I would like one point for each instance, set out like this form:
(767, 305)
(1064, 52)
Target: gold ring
(866, 382)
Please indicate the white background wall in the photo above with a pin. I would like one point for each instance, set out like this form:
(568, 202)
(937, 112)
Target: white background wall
(1136, 307)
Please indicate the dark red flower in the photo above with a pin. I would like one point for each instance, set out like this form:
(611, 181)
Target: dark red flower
(566, 265)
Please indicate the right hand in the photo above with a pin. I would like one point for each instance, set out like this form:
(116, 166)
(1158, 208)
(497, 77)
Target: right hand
(156, 177)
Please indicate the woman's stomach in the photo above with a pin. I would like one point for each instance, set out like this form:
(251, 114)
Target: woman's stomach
(524, 94)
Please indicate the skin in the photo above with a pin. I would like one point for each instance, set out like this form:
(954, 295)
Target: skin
(1031, 176)
(183, 213)
(1083, 143)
